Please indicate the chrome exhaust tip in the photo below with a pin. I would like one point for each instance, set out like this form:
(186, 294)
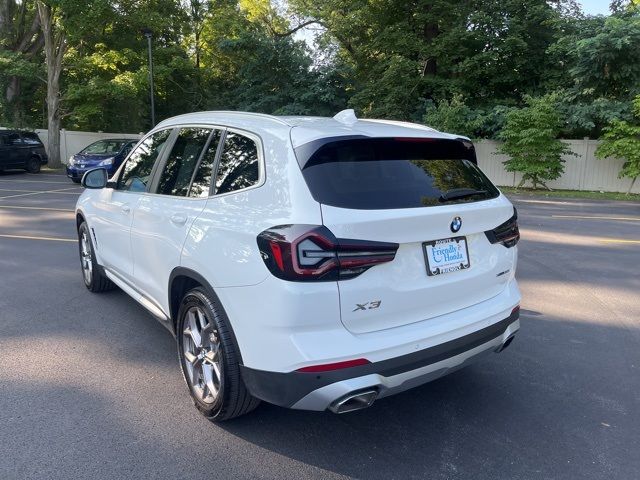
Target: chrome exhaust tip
(354, 401)
(505, 344)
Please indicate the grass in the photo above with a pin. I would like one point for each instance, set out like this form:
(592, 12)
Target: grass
(592, 195)
(47, 169)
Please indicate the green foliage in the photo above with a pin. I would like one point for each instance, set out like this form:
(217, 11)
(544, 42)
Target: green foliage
(492, 52)
(587, 118)
(21, 66)
(458, 66)
(530, 140)
(621, 140)
(456, 116)
(453, 116)
(608, 64)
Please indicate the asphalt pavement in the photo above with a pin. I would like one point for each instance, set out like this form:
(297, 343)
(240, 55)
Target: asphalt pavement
(90, 385)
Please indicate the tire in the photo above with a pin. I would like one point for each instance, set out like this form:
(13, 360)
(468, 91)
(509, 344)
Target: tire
(211, 367)
(33, 165)
(75, 180)
(94, 278)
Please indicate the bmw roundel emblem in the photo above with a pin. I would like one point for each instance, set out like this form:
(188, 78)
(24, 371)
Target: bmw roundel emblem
(456, 224)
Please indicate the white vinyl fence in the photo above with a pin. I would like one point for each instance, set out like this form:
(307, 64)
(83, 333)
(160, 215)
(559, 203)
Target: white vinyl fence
(582, 172)
(71, 142)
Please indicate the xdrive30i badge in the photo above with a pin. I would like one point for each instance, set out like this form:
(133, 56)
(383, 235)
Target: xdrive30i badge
(456, 224)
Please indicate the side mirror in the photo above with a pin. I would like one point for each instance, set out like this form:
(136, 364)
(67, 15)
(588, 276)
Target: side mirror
(96, 178)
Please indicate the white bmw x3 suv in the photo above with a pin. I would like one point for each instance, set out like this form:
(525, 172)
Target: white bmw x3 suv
(313, 263)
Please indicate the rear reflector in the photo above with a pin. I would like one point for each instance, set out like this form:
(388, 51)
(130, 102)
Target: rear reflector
(328, 367)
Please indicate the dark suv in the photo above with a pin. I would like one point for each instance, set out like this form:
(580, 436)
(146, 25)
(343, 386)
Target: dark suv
(21, 150)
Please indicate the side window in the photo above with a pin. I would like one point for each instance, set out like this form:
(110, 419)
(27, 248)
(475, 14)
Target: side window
(14, 139)
(127, 148)
(181, 162)
(31, 139)
(238, 165)
(202, 180)
(137, 171)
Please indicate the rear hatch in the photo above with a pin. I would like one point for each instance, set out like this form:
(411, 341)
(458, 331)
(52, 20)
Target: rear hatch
(428, 196)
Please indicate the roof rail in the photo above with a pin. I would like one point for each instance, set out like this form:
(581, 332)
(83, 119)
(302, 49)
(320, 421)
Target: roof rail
(232, 112)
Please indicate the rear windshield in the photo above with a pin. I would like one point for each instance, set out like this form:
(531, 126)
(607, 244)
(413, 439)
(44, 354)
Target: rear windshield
(385, 173)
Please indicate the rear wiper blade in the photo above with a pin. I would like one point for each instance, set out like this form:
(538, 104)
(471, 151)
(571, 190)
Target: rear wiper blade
(458, 193)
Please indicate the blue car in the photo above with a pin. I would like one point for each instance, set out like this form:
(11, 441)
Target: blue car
(107, 153)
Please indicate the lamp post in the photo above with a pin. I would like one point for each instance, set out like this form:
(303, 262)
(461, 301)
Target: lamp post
(148, 33)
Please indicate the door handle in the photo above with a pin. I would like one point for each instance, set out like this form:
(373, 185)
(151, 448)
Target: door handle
(125, 208)
(178, 219)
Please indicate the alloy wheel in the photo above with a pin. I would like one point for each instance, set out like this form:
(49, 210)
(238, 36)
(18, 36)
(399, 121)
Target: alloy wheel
(85, 257)
(202, 355)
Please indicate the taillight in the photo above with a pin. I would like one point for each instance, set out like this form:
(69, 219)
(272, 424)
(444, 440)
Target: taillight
(506, 233)
(313, 253)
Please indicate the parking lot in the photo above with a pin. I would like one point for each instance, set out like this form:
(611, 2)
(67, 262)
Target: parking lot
(90, 385)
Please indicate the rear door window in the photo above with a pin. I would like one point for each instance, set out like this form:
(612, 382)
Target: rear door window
(137, 170)
(201, 185)
(14, 139)
(239, 164)
(31, 139)
(387, 173)
(181, 163)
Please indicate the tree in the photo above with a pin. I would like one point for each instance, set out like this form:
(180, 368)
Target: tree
(530, 140)
(453, 117)
(404, 52)
(251, 62)
(55, 45)
(622, 140)
(603, 74)
(608, 64)
(20, 45)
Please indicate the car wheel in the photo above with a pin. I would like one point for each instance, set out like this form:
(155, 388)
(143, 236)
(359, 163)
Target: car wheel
(33, 165)
(75, 180)
(94, 278)
(209, 359)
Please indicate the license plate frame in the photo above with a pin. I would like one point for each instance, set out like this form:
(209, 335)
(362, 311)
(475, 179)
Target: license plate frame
(450, 266)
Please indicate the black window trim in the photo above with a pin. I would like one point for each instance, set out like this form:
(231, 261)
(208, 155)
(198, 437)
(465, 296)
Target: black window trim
(155, 173)
(215, 160)
(162, 161)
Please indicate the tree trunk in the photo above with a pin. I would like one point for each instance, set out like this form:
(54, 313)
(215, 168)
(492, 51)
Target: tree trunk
(13, 89)
(17, 38)
(632, 184)
(12, 94)
(54, 48)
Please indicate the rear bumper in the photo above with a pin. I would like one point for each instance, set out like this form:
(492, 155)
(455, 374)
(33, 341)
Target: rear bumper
(319, 391)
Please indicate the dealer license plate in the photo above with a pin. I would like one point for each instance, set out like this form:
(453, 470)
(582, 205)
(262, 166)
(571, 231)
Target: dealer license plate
(447, 255)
